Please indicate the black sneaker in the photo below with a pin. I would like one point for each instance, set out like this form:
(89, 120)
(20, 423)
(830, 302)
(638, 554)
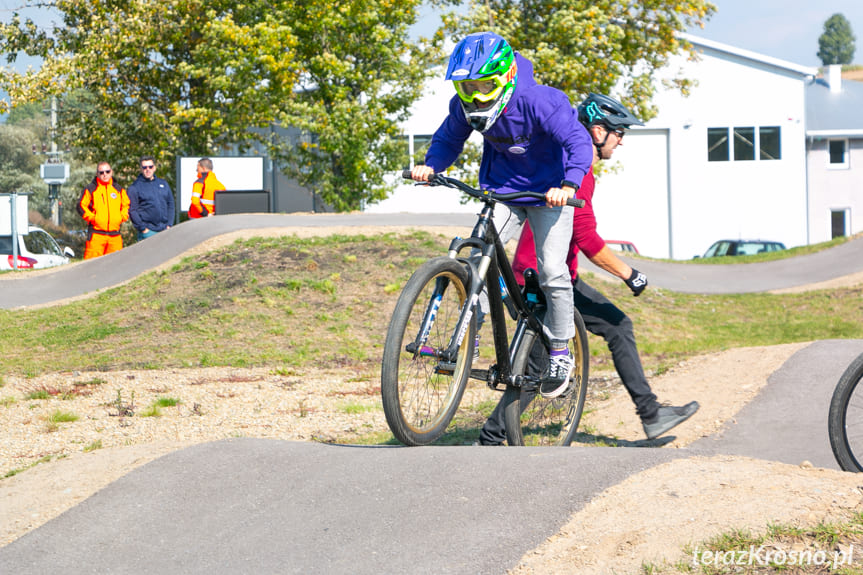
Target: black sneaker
(668, 417)
(556, 380)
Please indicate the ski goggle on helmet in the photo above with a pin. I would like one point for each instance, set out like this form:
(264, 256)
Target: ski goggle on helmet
(482, 68)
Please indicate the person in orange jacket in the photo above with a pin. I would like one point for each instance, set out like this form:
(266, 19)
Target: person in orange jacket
(204, 190)
(104, 207)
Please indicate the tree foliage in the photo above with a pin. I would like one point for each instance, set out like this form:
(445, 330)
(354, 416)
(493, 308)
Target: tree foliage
(166, 78)
(360, 76)
(581, 46)
(27, 126)
(836, 43)
(191, 77)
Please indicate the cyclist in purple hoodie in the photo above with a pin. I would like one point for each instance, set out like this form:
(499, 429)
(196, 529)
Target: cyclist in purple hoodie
(532, 141)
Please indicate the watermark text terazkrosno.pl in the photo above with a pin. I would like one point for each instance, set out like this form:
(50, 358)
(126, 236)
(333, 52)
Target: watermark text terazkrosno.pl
(770, 555)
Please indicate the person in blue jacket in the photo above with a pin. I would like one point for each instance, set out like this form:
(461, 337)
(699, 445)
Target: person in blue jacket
(151, 201)
(533, 142)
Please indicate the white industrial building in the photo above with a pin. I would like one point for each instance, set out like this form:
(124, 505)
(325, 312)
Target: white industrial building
(759, 149)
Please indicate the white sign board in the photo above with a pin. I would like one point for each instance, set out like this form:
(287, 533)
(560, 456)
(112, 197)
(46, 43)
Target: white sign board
(22, 217)
(235, 174)
(54, 173)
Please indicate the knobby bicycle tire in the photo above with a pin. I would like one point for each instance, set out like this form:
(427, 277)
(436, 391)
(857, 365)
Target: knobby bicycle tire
(535, 420)
(845, 420)
(421, 392)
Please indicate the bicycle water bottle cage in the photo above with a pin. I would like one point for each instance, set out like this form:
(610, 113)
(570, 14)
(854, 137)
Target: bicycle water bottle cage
(532, 292)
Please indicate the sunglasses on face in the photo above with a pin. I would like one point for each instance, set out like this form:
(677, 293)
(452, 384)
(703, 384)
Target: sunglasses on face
(619, 133)
(148, 167)
(104, 172)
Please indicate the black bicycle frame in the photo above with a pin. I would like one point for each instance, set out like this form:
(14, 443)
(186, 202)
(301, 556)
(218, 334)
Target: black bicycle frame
(486, 239)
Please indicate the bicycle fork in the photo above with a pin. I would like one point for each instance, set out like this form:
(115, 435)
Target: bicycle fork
(417, 346)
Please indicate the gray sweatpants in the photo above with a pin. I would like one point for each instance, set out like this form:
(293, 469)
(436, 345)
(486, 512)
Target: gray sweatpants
(552, 232)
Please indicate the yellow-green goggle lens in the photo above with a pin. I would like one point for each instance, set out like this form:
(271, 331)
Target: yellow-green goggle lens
(482, 90)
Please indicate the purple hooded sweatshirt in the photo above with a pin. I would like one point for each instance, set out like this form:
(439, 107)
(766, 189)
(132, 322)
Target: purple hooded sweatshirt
(537, 143)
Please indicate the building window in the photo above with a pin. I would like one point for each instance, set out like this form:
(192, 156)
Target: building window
(404, 148)
(421, 146)
(414, 147)
(717, 144)
(741, 147)
(838, 153)
(769, 143)
(744, 144)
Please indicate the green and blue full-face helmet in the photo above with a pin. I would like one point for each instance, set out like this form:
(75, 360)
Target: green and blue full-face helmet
(482, 68)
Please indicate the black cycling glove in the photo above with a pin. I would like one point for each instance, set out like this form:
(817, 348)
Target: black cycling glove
(636, 282)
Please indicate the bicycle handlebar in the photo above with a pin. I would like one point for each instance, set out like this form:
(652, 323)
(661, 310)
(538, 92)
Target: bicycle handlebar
(441, 180)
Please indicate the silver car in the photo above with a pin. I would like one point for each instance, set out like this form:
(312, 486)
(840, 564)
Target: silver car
(742, 248)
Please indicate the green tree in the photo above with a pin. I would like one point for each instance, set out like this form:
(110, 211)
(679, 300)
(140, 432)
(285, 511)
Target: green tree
(360, 77)
(836, 43)
(27, 126)
(178, 77)
(582, 46)
(19, 167)
(190, 77)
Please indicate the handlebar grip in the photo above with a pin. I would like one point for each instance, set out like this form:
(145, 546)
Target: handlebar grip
(406, 174)
(575, 202)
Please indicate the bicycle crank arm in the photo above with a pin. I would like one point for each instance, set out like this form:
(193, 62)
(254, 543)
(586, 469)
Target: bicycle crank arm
(526, 382)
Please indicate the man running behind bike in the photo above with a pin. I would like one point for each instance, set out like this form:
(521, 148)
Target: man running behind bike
(606, 120)
(531, 142)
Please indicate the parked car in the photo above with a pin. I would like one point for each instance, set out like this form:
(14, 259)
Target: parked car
(622, 246)
(36, 250)
(742, 248)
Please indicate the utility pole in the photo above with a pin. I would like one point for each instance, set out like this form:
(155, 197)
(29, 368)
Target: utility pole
(54, 172)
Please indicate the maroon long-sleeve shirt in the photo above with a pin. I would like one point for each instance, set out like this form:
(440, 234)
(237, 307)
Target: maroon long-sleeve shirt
(584, 235)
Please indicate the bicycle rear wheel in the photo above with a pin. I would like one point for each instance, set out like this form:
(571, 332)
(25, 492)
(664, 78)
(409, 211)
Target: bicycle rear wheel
(845, 420)
(420, 391)
(534, 420)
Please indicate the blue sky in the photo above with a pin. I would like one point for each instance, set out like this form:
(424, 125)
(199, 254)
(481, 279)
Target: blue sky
(786, 29)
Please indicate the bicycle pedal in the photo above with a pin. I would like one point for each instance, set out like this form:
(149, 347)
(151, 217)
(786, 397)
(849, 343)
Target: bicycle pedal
(480, 374)
(445, 368)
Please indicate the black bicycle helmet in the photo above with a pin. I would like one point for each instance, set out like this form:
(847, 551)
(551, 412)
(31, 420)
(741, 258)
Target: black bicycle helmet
(599, 109)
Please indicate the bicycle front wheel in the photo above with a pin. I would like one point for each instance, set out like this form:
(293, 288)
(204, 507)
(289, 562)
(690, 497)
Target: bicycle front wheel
(420, 390)
(535, 420)
(845, 420)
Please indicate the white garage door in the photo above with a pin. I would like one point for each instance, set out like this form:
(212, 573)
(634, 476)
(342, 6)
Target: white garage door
(631, 204)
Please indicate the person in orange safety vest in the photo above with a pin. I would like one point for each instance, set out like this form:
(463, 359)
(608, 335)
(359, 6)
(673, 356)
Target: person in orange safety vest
(204, 190)
(104, 207)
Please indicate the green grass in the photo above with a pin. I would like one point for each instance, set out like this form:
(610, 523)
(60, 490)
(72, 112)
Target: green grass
(152, 411)
(59, 416)
(167, 401)
(358, 408)
(46, 459)
(303, 304)
(93, 446)
(155, 408)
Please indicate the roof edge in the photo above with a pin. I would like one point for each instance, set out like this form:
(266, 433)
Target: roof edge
(749, 55)
(844, 133)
